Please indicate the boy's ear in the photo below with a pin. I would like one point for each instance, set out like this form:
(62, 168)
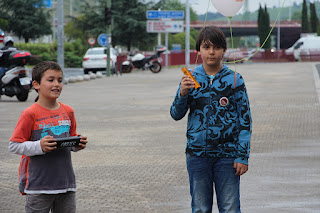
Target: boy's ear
(35, 85)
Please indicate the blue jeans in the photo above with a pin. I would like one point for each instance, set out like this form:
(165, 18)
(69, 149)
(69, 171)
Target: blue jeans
(203, 173)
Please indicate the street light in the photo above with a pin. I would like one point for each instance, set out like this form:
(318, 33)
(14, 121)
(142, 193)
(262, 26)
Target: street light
(187, 48)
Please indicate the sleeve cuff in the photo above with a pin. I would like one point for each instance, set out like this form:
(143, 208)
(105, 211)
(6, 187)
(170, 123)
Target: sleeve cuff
(242, 160)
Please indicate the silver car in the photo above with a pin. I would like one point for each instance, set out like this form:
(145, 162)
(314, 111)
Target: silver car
(95, 60)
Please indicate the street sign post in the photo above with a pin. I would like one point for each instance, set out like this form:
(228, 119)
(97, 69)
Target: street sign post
(165, 26)
(165, 14)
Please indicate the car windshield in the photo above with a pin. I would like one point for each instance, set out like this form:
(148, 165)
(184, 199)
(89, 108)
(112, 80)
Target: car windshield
(96, 52)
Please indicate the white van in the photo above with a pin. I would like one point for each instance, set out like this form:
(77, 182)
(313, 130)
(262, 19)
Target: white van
(304, 46)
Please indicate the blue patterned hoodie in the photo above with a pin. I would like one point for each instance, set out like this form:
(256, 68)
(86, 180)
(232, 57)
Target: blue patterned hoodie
(219, 121)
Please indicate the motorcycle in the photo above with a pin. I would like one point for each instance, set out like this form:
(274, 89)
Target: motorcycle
(139, 61)
(15, 81)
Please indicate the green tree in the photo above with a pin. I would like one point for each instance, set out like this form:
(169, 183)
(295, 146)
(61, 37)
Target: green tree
(264, 27)
(26, 18)
(304, 18)
(175, 5)
(128, 28)
(130, 24)
(313, 18)
(267, 28)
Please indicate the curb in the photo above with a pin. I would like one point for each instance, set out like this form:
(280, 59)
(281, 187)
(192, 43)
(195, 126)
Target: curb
(80, 78)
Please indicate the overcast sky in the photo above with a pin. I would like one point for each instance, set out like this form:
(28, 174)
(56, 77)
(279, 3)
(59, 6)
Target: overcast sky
(200, 6)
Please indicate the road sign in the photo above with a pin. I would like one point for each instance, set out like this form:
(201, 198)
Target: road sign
(103, 40)
(165, 26)
(91, 40)
(165, 14)
(1, 35)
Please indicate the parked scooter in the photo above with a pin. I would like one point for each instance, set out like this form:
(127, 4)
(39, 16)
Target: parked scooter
(139, 61)
(15, 81)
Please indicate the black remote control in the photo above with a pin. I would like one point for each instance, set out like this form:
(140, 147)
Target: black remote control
(68, 141)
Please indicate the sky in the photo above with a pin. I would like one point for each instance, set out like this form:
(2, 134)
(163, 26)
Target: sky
(200, 6)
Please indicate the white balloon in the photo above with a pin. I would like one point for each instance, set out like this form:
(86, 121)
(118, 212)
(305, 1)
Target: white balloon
(228, 8)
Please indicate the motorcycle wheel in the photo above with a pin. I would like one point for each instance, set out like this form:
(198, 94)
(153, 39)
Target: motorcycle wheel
(23, 96)
(126, 69)
(155, 67)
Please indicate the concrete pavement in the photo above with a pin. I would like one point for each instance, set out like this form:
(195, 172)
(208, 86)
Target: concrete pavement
(135, 158)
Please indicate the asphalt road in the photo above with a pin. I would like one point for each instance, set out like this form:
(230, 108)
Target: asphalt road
(135, 158)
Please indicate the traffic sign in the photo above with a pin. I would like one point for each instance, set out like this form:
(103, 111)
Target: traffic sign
(1, 35)
(165, 14)
(103, 40)
(165, 26)
(91, 40)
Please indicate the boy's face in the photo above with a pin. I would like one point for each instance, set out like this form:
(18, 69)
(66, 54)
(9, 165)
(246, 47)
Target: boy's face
(211, 54)
(51, 84)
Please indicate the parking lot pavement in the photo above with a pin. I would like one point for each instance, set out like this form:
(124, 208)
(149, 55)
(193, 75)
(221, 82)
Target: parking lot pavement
(135, 162)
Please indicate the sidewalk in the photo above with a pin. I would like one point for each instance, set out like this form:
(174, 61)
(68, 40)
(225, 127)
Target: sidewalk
(135, 158)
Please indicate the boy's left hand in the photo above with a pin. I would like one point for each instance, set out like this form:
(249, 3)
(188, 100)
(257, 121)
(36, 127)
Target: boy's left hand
(240, 168)
(83, 143)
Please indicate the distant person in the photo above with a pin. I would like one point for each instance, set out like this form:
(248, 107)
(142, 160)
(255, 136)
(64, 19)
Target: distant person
(4, 55)
(218, 128)
(46, 173)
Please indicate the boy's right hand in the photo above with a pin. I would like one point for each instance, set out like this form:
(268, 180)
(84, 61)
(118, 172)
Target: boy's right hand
(47, 144)
(186, 84)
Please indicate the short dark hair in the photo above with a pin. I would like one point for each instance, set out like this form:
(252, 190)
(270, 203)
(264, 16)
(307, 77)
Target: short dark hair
(39, 69)
(214, 35)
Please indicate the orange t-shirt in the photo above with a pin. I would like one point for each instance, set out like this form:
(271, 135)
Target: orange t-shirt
(52, 172)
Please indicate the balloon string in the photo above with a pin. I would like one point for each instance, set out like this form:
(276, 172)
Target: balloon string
(205, 20)
(264, 40)
(234, 57)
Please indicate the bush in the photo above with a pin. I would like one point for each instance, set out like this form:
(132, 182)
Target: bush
(73, 52)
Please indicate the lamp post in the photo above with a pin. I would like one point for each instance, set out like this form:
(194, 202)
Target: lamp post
(278, 34)
(187, 48)
(60, 35)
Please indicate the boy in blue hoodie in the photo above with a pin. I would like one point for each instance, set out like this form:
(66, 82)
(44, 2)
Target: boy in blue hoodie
(218, 129)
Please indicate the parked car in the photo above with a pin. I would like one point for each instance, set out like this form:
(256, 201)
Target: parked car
(95, 60)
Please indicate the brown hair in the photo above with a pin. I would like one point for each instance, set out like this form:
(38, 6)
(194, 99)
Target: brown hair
(40, 68)
(211, 34)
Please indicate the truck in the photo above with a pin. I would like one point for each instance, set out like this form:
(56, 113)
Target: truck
(305, 46)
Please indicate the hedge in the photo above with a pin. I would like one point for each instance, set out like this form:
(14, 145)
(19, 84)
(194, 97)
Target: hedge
(73, 52)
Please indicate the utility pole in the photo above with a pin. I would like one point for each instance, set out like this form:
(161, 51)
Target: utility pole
(109, 26)
(278, 34)
(187, 51)
(60, 34)
(70, 7)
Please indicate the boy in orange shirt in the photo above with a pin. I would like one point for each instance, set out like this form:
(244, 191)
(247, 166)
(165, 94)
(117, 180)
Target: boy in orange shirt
(46, 174)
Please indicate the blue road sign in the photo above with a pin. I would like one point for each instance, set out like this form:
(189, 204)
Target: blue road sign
(103, 40)
(165, 14)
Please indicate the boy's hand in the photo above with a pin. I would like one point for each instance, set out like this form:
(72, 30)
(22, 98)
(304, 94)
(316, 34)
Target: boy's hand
(83, 143)
(186, 84)
(47, 144)
(240, 168)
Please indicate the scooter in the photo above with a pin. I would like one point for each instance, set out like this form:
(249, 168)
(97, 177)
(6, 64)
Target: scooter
(15, 81)
(139, 61)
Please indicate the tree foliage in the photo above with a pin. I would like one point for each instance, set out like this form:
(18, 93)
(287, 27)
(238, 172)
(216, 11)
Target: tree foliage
(175, 5)
(128, 25)
(313, 18)
(264, 27)
(26, 18)
(304, 18)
